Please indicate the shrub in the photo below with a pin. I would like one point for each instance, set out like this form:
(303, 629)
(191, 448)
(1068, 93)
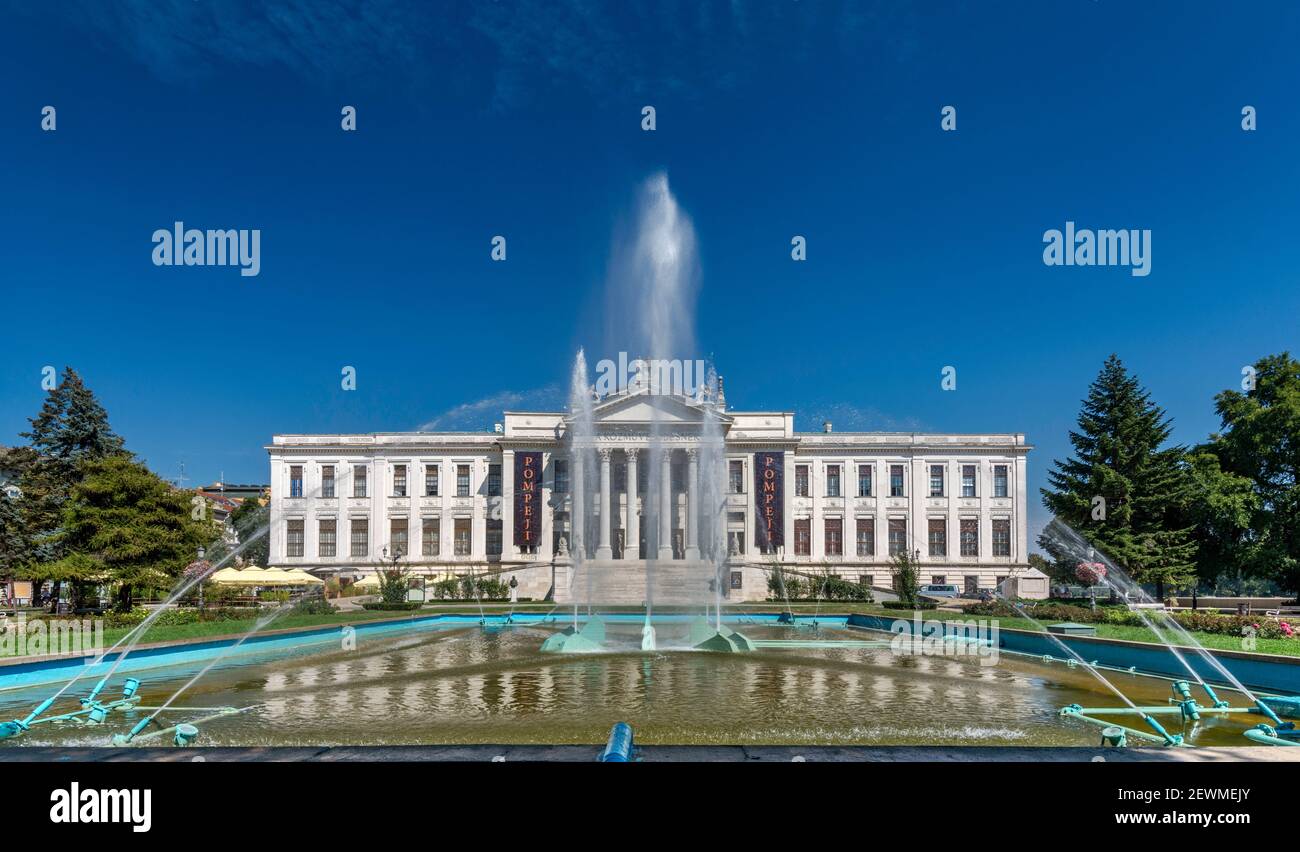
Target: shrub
(908, 606)
(400, 606)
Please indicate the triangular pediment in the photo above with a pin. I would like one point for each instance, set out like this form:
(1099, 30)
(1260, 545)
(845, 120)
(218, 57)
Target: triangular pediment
(628, 409)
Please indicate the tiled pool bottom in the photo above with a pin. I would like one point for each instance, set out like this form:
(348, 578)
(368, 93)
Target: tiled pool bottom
(450, 682)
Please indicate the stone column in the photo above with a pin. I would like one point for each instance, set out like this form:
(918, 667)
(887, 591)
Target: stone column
(692, 504)
(577, 504)
(603, 549)
(632, 547)
(666, 506)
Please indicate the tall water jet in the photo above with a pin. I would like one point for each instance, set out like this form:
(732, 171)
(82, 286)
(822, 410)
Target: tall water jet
(582, 449)
(654, 286)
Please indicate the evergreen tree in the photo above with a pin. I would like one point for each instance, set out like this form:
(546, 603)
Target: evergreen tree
(137, 530)
(1120, 456)
(70, 428)
(1260, 441)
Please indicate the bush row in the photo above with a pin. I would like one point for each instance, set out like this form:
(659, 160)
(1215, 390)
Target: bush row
(1203, 621)
(831, 588)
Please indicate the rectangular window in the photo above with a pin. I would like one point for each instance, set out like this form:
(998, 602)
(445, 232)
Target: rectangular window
(294, 538)
(936, 480)
(999, 480)
(736, 472)
(970, 537)
(801, 480)
(430, 480)
(399, 480)
(938, 537)
(359, 480)
(864, 480)
(833, 480)
(327, 481)
(834, 537)
(328, 538)
(360, 537)
(462, 531)
(968, 480)
(493, 538)
(561, 477)
(1001, 537)
(802, 537)
(866, 536)
(295, 480)
(895, 480)
(897, 536)
(494, 480)
(938, 579)
(430, 537)
(462, 480)
(399, 543)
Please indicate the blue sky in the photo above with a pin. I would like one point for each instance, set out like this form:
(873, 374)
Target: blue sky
(523, 119)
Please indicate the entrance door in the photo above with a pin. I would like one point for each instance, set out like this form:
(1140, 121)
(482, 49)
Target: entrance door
(972, 586)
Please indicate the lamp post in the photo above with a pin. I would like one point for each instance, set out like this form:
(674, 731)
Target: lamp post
(202, 552)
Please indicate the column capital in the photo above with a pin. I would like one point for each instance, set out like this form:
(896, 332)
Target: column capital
(692, 453)
(605, 453)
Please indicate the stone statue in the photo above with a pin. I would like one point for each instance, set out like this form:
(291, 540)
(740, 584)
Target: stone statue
(563, 548)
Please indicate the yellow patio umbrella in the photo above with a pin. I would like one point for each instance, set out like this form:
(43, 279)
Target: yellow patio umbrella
(370, 581)
(250, 576)
(302, 578)
(278, 577)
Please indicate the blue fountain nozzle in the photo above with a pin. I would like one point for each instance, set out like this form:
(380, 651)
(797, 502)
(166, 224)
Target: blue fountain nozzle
(130, 687)
(40, 708)
(1170, 739)
(1268, 711)
(11, 729)
(98, 713)
(1071, 709)
(186, 734)
(619, 748)
(1114, 736)
(1190, 710)
(139, 726)
(1182, 690)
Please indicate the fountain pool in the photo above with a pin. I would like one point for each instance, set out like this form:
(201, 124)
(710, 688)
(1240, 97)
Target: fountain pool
(450, 681)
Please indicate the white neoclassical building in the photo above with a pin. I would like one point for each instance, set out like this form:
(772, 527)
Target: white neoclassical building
(454, 502)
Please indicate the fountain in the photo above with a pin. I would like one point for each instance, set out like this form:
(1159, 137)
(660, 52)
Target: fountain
(652, 287)
(1072, 546)
(94, 712)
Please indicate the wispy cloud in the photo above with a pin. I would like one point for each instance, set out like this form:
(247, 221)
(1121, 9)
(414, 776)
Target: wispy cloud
(482, 413)
(847, 417)
(505, 52)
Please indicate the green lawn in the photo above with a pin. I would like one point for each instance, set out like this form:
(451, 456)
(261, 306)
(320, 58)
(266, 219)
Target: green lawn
(1218, 641)
(1287, 647)
(207, 629)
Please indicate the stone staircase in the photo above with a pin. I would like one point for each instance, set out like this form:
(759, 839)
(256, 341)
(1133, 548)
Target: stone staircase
(623, 581)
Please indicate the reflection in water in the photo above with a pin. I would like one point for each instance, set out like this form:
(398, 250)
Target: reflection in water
(465, 686)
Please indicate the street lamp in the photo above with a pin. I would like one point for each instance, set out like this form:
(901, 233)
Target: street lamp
(202, 552)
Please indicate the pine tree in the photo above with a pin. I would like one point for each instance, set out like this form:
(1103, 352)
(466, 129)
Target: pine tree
(1120, 457)
(137, 530)
(70, 428)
